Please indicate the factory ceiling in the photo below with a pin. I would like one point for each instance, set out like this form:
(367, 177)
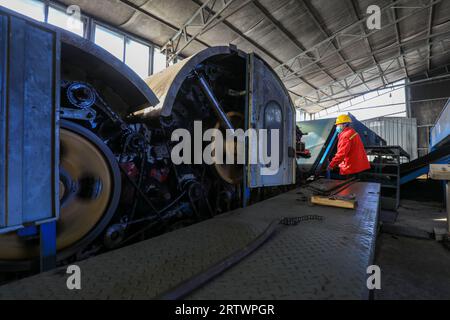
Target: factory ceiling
(324, 50)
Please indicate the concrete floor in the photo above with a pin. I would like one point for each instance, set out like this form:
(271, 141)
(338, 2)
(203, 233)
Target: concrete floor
(422, 215)
(413, 267)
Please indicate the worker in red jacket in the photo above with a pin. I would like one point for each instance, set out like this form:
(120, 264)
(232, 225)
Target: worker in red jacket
(351, 156)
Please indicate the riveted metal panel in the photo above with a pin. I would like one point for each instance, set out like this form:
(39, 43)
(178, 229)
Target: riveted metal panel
(29, 136)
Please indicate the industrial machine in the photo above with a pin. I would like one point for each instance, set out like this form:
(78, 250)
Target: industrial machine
(391, 165)
(87, 143)
(440, 146)
(321, 141)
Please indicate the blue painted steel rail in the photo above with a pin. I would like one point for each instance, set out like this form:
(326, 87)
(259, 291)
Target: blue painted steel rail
(440, 133)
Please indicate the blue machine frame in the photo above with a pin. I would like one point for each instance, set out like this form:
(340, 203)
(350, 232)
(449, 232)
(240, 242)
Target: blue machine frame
(322, 138)
(440, 133)
(368, 137)
(439, 137)
(31, 54)
(29, 109)
(29, 115)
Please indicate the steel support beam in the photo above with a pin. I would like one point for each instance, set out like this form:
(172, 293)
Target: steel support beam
(48, 246)
(321, 51)
(319, 24)
(137, 8)
(388, 66)
(430, 32)
(290, 37)
(252, 42)
(414, 40)
(201, 19)
(279, 26)
(414, 54)
(394, 87)
(399, 40)
(357, 14)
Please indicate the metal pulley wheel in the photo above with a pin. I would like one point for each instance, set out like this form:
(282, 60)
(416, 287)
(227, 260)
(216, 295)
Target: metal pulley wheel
(231, 173)
(81, 95)
(89, 194)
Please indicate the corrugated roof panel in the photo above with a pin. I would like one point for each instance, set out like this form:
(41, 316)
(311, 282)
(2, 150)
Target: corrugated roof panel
(308, 22)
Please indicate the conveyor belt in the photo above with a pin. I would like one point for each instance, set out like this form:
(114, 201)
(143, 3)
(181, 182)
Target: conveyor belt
(425, 160)
(315, 260)
(320, 140)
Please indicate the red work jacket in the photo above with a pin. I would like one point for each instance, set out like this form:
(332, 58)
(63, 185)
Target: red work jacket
(351, 156)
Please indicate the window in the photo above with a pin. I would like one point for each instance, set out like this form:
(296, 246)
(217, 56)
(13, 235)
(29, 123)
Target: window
(159, 61)
(384, 102)
(110, 41)
(61, 19)
(32, 8)
(137, 57)
(136, 54)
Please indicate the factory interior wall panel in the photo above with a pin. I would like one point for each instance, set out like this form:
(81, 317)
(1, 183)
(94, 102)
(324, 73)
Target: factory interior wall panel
(396, 131)
(427, 112)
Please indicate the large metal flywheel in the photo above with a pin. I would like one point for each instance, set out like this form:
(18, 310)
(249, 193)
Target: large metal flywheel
(90, 187)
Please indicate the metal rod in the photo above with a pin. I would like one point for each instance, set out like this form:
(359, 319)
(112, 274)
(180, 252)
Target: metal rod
(223, 118)
(48, 246)
(393, 88)
(447, 195)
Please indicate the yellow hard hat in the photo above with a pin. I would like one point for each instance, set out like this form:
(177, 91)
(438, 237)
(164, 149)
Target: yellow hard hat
(343, 119)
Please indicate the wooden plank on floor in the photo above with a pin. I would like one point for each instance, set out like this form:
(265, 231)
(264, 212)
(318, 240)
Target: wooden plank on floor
(330, 202)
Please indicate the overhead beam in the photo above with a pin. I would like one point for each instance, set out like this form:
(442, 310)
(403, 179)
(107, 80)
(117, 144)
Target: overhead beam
(137, 8)
(430, 32)
(256, 45)
(278, 25)
(306, 99)
(370, 77)
(357, 14)
(399, 40)
(320, 50)
(312, 12)
(386, 71)
(289, 36)
(243, 36)
(395, 47)
(370, 74)
(204, 14)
